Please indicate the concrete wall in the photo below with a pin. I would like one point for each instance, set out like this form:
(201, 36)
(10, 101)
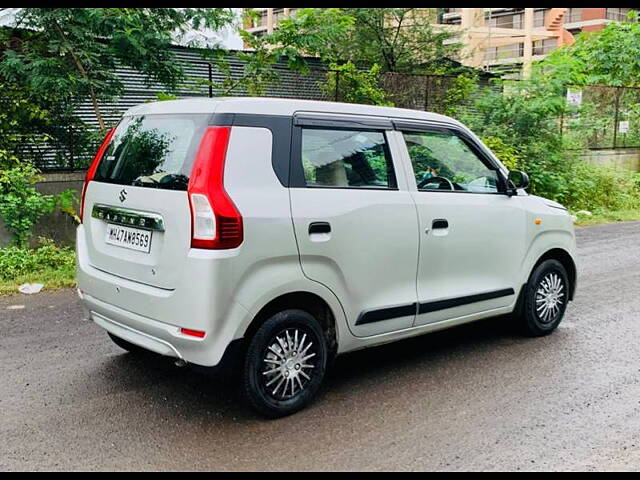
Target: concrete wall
(628, 158)
(57, 225)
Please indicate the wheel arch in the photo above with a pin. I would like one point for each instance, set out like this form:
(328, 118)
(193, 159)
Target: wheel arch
(565, 258)
(309, 302)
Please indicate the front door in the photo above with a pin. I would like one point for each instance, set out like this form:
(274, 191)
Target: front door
(471, 232)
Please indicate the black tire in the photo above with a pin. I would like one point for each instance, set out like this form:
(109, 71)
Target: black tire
(535, 320)
(128, 346)
(283, 359)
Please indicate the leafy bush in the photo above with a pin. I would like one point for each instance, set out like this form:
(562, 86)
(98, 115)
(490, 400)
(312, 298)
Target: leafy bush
(69, 203)
(600, 188)
(21, 205)
(17, 261)
(507, 154)
(463, 86)
(355, 86)
(163, 96)
(521, 126)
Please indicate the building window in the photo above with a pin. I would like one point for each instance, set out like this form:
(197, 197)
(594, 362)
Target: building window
(259, 20)
(538, 18)
(617, 14)
(542, 47)
(278, 14)
(504, 52)
(507, 21)
(573, 15)
(490, 53)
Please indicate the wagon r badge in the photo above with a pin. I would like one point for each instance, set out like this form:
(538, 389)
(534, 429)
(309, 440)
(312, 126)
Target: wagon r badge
(123, 195)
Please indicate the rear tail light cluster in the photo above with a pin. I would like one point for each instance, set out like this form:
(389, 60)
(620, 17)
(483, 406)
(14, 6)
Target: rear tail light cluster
(92, 169)
(216, 223)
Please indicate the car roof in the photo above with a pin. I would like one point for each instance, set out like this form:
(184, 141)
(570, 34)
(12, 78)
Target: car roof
(278, 106)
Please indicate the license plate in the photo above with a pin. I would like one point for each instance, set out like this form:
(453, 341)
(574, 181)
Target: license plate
(127, 237)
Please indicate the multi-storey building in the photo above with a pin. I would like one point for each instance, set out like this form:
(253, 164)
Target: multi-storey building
(509, 39)
(495, 39)
(265, 19)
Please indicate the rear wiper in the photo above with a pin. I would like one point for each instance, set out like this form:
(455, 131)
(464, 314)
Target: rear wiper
(139, 182)
(168, 181)
(174, 180)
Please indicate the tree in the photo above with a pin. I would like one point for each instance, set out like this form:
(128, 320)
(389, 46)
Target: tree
(398, 39)
(359, 45)
(17, 117)
(348, 84)
(610, 56)
(72, 54)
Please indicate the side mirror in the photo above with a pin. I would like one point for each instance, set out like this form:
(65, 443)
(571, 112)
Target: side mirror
(518, 179)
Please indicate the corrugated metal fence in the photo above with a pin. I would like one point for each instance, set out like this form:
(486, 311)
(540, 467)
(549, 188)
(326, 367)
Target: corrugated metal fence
(291, 84)
(66, 155)
(421, 92)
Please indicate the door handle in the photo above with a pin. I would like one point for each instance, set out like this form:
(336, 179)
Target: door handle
(319, 227)
(440, 223)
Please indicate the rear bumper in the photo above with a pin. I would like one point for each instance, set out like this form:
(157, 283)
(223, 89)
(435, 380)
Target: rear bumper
(156, 342)
(135, 328)
(152, 318)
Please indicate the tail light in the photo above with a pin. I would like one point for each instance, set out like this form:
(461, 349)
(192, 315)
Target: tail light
(92, 169)
(216, 223)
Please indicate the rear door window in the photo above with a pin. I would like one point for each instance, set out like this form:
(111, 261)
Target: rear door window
(155, 151)
(346, 159)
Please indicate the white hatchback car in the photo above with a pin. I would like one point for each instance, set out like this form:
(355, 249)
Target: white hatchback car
(270, 235)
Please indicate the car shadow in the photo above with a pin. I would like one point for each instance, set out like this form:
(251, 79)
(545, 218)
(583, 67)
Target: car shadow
(190, 392)
(423, 349)
(196, 394)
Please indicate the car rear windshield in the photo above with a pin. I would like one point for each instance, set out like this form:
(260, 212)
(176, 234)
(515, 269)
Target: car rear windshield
(155, 151)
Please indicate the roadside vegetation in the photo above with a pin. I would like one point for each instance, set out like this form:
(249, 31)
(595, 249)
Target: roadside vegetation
(47, 263)
(526, 120)
(54, 61)
(611, 216)
(51, 62)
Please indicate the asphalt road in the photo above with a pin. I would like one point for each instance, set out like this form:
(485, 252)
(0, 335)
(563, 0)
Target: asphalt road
(478, 397)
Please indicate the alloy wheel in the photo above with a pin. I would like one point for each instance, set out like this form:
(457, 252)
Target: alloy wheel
(289, 363)
(550, 297)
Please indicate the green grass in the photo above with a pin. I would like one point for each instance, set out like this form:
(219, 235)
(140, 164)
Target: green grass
(612, 216)
(52, 279)
(48, 264)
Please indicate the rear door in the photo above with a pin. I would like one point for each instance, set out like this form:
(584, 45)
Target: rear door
(137, 215)
(355, 221)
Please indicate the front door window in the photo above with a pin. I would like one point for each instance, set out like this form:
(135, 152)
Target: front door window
(442, 161)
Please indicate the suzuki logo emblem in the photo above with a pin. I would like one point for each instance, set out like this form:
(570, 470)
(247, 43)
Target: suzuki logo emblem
(123, 195)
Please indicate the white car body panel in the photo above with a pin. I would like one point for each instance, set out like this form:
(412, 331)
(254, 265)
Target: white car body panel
(369, 259)
(476, 254)
(376, 256)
